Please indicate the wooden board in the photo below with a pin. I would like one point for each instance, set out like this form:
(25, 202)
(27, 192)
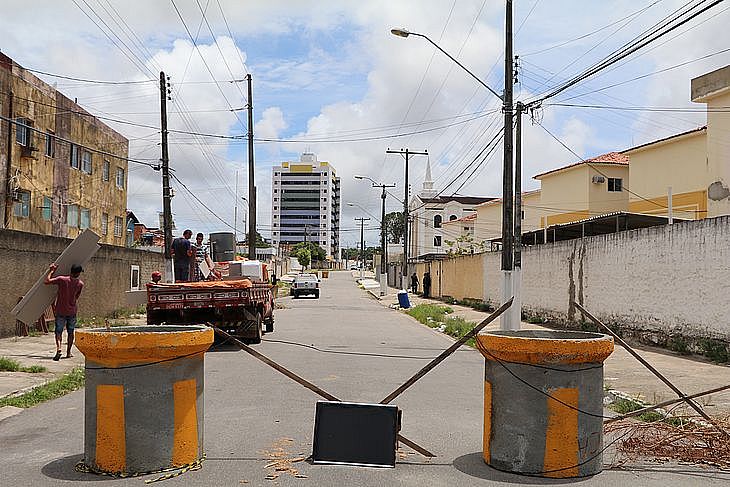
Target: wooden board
(40, 296)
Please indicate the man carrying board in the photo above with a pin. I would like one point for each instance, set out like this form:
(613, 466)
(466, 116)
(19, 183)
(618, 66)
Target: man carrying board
(69, 290)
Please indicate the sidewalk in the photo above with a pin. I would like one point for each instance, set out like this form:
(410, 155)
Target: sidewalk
(624, 373)
(33, 350)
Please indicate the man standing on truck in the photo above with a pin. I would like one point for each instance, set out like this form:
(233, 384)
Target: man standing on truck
(69, 290)
(181, 251)
(201, 255)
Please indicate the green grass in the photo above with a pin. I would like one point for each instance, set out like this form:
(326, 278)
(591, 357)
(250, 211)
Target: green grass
(10, 365)
(435, 312)
(57, 388)
(715, 350)
(624, 406)
(434, 315)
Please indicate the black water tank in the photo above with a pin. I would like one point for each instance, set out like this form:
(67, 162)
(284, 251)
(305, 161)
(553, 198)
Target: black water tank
(223, 246)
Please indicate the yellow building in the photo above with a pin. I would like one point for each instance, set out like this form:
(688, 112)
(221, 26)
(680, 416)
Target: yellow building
(63, 170)
(488, 224)
(694, 164)
(587, 188)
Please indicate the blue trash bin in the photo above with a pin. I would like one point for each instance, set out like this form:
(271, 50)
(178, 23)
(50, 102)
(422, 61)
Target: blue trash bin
(403, 300)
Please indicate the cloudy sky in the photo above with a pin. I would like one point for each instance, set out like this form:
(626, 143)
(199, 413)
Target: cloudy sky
(330, 78)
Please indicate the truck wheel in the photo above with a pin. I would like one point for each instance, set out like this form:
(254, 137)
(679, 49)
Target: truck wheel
(316, 294)
(259, 329)
(269, 325)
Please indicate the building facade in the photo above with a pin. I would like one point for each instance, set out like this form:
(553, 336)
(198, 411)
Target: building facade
(429, 211)
(306, 205)
(61, 169)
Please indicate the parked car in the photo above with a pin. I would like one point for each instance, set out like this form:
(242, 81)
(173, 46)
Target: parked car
(305, 284)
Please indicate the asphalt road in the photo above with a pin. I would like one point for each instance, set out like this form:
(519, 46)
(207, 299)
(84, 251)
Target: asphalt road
(254, 415)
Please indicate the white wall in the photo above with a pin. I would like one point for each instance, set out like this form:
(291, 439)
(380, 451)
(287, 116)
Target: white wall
(669, 279)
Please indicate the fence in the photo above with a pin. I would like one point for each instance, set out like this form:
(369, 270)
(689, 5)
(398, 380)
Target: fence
(666, 280)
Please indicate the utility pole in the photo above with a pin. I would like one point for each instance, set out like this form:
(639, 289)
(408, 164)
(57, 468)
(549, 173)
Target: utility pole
(383, 246)
(507, 182)
(406, 152)
(517, 277)
(166, 208)
(235, 216)
(251, 183)
(362, 243)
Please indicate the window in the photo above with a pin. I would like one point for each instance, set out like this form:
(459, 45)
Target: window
(21, 207)
(22, 131)
(104, 223)
(118, 225)
(120, 178)
(86, 162)
(74, 156)
(437, 221)
(453, 217)
(276, 199)
(614, 184)
(50, 144)
(134, 278)
(85, 218)
(72, 216)
(276, 207)
(276, 174)
(522, 214)
(437, 241)
(105, 171)
(46, 208)
(276, 216)
(276, 191)
(466, 229)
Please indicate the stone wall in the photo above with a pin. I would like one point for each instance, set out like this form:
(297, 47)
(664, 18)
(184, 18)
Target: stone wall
(25, 256)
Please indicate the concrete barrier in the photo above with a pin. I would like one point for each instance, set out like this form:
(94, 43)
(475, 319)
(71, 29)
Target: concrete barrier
(543, 401)
(144, 397)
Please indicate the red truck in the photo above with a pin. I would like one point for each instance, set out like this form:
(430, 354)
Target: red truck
(242, 307)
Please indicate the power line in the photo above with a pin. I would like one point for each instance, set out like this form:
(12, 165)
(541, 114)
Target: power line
(678, 18)
(84, 80)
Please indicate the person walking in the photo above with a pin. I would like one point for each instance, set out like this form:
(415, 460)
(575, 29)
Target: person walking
(182, 251)
(69, 290)
(414, 283)
(426, 284)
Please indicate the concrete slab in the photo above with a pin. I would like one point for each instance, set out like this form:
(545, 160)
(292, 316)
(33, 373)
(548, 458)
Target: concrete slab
(40, 296)
(9, 411)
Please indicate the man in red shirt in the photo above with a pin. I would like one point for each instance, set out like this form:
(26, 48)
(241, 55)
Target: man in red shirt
(69, 290)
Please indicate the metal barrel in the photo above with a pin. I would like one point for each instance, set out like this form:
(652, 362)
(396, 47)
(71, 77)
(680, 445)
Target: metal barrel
(144, 397)
(223, 246)
(543, 401)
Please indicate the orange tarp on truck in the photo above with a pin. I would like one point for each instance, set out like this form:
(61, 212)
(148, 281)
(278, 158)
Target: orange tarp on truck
(238, 284)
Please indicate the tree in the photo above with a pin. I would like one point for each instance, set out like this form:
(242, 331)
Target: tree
(394, 226)
(309, 252)
(260, 243)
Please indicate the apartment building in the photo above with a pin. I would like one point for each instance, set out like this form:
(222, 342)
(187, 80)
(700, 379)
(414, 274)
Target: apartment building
(306, 204)
(61, 169)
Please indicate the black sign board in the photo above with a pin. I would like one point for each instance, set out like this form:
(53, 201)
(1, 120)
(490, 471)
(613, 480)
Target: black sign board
(348, 433)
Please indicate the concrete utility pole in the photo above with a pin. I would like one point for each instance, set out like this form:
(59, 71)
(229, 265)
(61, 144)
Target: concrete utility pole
(251, 182)
(507, 321)
(362, 243)
(517, 276)
(166, 207)
(406, 152)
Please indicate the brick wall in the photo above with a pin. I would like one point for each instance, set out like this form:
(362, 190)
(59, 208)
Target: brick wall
(25, 256)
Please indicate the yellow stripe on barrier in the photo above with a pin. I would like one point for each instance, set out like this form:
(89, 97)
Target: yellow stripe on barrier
(487, 420)
(111, 451)
(185, 443)
(561, 436)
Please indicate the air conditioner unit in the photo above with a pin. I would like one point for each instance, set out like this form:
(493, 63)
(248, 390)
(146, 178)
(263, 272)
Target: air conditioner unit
(598, 180)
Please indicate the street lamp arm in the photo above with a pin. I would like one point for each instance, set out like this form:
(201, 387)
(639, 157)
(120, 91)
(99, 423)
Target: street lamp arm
(405, 33)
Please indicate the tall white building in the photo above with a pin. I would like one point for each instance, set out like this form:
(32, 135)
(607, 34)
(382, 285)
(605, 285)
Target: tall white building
(306, 205)
(429, 211)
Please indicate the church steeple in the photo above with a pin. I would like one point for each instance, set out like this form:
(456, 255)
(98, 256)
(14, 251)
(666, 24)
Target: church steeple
(428, 191)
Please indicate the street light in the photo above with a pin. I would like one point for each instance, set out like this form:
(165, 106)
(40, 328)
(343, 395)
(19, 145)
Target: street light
(383, 265)
(406, 33)
(511, 275)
